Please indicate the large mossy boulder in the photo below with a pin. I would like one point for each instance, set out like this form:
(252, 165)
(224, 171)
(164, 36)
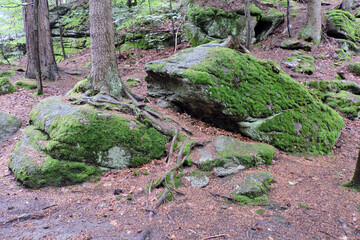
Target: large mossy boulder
(9, 124)
(209, 24)
(241, 93)
(6, 87)
(81, 135)
(342, 24)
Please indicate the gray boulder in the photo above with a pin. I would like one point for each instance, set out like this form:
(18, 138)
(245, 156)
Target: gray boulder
(70, 135)
(198, 179)
(6, 87)
(9, 124)
(241, 93)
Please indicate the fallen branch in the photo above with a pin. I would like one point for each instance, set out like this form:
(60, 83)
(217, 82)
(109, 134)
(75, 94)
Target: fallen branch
(24, 217)
(47, 207)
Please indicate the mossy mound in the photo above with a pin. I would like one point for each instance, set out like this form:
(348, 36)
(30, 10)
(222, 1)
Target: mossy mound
(301, 62)
(354, 68)
(342, 24)
(351, 48)
(6, 87)
(254, 188)
(209, 24)
(27, 84)
(239, 92)
(85, 135)
(6, 74)
(343, 96)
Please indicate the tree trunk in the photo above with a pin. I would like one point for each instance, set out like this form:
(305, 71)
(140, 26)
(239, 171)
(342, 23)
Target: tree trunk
(312, 29)
(347, 5)
(288, 18)
(61, 30)
(47, 60)
(104, 72)
(248, 25)
(36, 48)
(355, 182)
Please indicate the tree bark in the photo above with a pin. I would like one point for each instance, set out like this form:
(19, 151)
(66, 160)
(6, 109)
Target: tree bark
(47, 60)
(104, 72)
(312, 29)
(36, 48)
(248, 25)
(355, 182)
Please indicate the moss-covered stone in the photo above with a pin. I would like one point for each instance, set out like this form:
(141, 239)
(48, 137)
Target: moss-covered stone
(33, 168)
(349, 47)
(342, 24)
(6, 87)
(239, 92)
(341, 55)
(254, 188)
(340, 95)
(27, 84)
(295, 45)
(249, 154)
(208, 24)
(354, 68)
(9, 124)
(95, 137)
(301, 62)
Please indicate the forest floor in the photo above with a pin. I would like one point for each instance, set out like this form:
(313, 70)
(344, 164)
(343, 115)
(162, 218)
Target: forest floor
(307, 199)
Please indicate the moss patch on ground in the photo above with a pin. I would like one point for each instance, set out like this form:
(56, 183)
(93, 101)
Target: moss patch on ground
(27, 84)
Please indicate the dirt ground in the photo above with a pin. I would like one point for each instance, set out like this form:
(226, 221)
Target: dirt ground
(307, 200)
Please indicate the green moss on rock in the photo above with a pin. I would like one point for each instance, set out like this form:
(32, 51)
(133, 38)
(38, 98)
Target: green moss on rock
(355, 68)
(342, 24)
(6, 87)
(302, 62)
(341, 55)
(89, 135)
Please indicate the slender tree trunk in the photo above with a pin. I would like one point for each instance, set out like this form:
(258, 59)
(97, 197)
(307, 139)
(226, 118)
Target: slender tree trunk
(36, 48)
(60, 30)
(248, 25)
(312, 29)
(288, 18)
(47, 60)
(172, 22)
(104, 72)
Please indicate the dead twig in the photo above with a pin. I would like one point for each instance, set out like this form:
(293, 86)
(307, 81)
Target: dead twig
(216, 236)
(47, 207)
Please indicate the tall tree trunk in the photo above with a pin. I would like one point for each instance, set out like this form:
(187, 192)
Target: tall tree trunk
(248, 25)
(356, 178)
(288, 18)
(347, 5)
(104, 72)
(47, 60)
(36, 48)
(312, 29)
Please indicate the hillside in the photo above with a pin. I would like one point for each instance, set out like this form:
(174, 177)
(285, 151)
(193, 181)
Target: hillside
(306, 199)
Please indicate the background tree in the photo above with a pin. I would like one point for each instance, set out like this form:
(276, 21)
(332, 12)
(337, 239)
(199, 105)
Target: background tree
(36, 49)
(47, 60)
(248, 25)
(104, 74)
(355, 181)
(312, 29)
